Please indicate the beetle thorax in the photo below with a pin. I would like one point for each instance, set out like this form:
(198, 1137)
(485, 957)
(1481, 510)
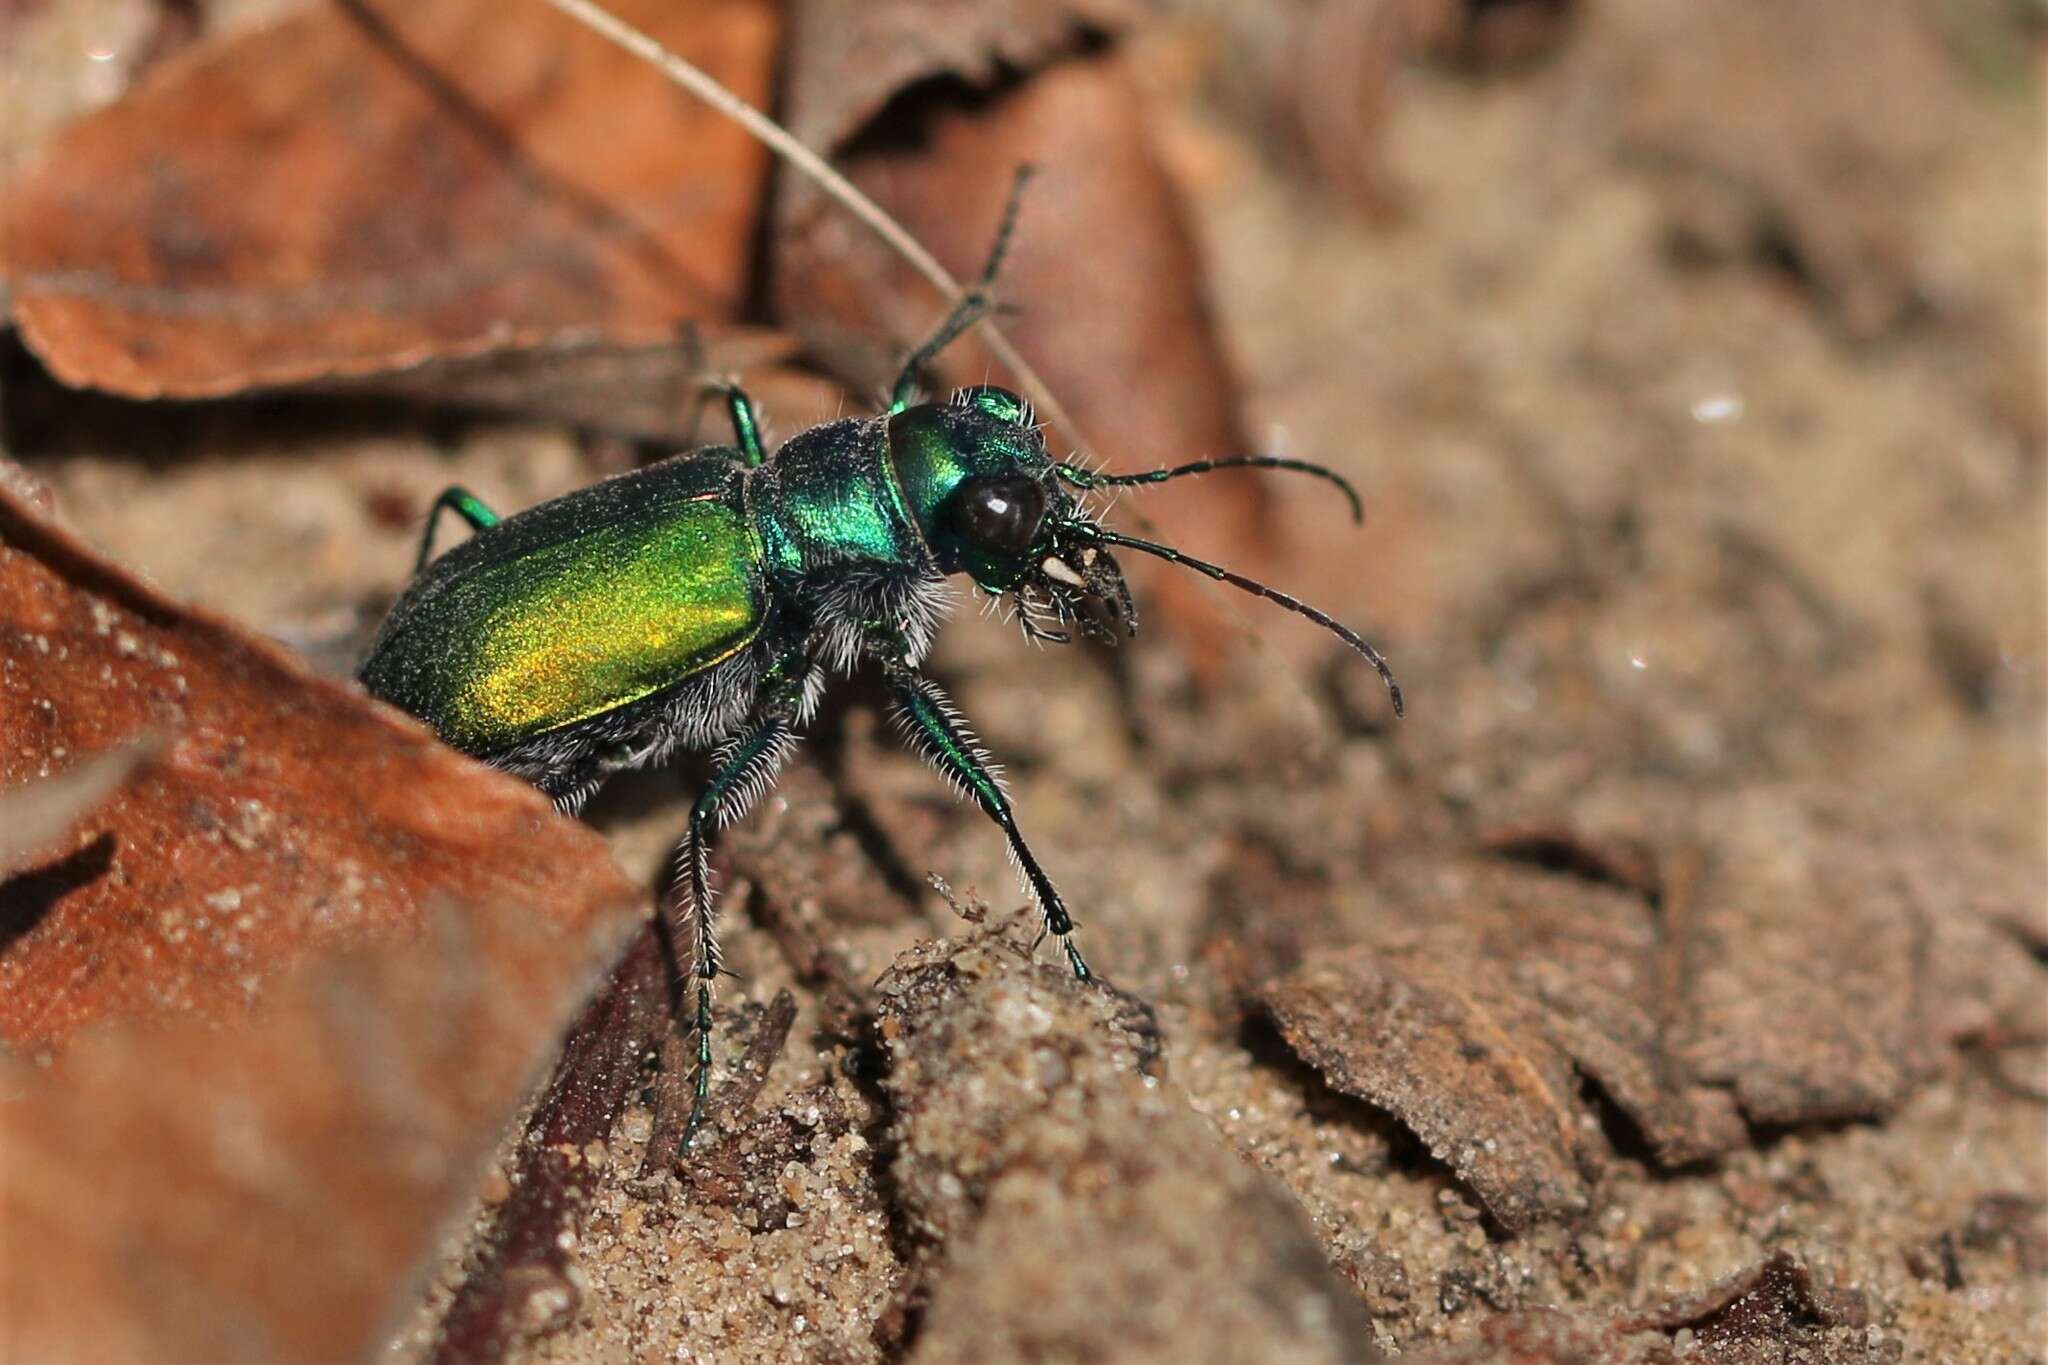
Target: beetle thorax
(840, 541)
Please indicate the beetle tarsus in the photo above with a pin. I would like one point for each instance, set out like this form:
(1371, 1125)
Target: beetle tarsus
(943, 738)
(701, 1086)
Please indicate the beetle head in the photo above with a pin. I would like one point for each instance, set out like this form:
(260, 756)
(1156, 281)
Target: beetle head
(993, 505)
(990, 504)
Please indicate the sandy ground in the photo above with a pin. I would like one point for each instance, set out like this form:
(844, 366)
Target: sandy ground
(1663, 518)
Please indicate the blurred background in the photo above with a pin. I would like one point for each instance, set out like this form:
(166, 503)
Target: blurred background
(1689, 359)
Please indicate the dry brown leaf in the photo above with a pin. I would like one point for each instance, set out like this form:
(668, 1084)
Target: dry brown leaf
(1102, 271)
(851, 57)
(656, 392)
(322, 956)
(1799, 973)
(364, 187)
(286, 817)
(35, 816)
(269, 1191)
(1471, 1003)
(1464, 1064)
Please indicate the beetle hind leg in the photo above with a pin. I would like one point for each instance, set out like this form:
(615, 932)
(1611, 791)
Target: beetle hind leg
(746, 766)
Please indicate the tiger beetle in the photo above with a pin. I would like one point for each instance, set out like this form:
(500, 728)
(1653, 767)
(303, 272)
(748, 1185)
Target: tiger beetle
(700, 602)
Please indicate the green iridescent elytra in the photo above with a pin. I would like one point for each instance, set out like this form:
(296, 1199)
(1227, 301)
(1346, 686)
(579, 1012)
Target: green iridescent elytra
(585, 604)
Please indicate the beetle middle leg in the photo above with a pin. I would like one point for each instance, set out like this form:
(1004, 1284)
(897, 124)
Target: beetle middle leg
(942, 734)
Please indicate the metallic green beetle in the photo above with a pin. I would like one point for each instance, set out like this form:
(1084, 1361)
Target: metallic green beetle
(701, 602)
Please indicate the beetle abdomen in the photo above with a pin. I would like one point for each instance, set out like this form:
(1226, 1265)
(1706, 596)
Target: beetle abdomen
(573, 610)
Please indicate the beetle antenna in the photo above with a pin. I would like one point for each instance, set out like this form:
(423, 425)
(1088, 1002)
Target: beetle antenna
(1256, 589)
(1084, 478)
(1005, 229)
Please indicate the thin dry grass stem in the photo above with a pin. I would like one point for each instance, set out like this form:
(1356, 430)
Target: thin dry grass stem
(785, 145)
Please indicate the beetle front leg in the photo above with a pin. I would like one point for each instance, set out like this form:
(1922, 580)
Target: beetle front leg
(974, 305)
(746, 425)
(746, 765)
(942, 735)
(465, 504)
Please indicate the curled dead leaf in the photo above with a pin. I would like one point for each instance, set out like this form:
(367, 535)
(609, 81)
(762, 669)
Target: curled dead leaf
(288, 817)
(850, 58)
(657, 392)
(35, 815)
(321, 957)
(1800, 972)
(1466, 1068)
(1102, 280)
(365, 186)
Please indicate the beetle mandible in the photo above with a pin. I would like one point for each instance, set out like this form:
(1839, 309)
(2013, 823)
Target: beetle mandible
(701, 602)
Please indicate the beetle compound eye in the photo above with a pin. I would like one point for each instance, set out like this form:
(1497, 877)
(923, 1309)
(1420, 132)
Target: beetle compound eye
(1001, 514)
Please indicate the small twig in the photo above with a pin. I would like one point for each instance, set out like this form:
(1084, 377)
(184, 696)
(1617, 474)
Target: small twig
(975, 911)
(771, 1036)
(729, 1110)
(671, 1103)
(522, 1286)
(784, 144)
